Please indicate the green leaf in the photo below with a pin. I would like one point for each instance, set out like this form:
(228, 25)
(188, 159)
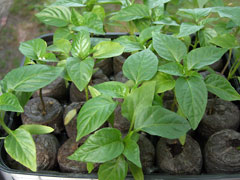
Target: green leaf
(229, 12)
(70, 3)
(140, 66)
(48, 57)
(142, 96)
(136, 171)
(154, 3)
(220, 86)
(95, 41)
(81, 45)
(80, 72)
(142, 24)
(94, 92)
(169, 47)
(172, 68)
(182, 139)
(188, 29)
(201, 3)
(146, 34)
(130, 43)
(164, 82)
(76, 18)
(93, 114)
(204, 56)
(205, 36)
(217, 3)
(34, 49)
(31, 78)
(159, 121)
(37, 129)
(113, 88)
(115, 169)
(166, 21)
(90, 167)
(70, 115)
(99, 11)
(107, 49)
(132, 152)
(62, 33)
(225, 41)
(191, 94)
(21, 147)
(9, 102)
(58, 16)
(61, 45)
(104, 145)
(195, 14)
(133, 12)
(23, 97)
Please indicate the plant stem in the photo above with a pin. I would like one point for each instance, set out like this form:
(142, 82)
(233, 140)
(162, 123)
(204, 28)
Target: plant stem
(42, 102)
(86, 93)
(228, 61)
(233, 69)
(196, 42)
(4, 126)
(173, 104)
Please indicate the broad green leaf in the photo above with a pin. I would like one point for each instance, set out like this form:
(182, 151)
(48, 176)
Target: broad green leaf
(136, 171)
(188, 29)
(130, 43)
(95, 41)
(146, 34)
(34, 49)
(166, 21)
(9, 102)
(99, 11)
(221, 87)
(81, 45)
(204, 56)
(217, 3)
(113, 88)
(116, 169)
(37, 129)
(140, 66)
(154, 3)
(111, 1)
(205, 35)
(58, 16)
(93, 114)
(169, 47)
(164, 82)
(191, 94)
(195, 14)
(159, 121)
(172, 68)
(229, 12)
(133, 12)
(21, 147)
(76, 18)
(132, 152)
(201, 3)
(23, 97)
(80, 72)
(107, 49)
(62, 33)
(142, 24)
(31, 78)
(225, 41)
(94, 92)
(104, 145)
(70, 3)
(61, 45)
(70, 115)
(142, 96)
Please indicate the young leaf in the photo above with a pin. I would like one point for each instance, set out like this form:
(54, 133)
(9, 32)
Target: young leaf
(132, 152)
(172, 68)
(205, 36)
(201, 3)
(9, 102)
(70, 3)
(61, 45)
(115, 169)
(182, 139)
(70, 115)
(113, 88)
(104, 145)
(225, 41)
(90, 167)
(166, 21)
(33, 49)
(31, 78)
(146, 34)
(93, 114)
(204, 56)
(81, 45)
(220, 86)
(133, 12)
(195, 14)
(130, 43)
(142, 96)
(99, 11)
(37, 129)
(76, 18)
(192, 99)
(169, 47)
(136, 171)
(154, 3)
(188, 29)
(140, 66)
(62, 33)
(21, 147)
(94, 92)
(80, 72)
(58, 16)
(107, 49)
(159, 121)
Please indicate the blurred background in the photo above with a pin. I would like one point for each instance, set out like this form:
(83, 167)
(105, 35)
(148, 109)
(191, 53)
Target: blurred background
(18, 23)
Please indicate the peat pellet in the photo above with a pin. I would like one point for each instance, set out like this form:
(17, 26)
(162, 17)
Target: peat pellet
(120, 77)
(221, 152)
(53, 117)
(99, 77)
(118, 63)
(57, 90)
(173, 158)
(147, 154)
(225, 115)
(106, 66)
